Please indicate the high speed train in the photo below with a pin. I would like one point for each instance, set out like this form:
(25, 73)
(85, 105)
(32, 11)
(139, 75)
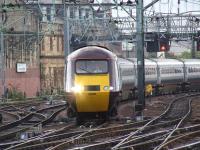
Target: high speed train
(96, 79)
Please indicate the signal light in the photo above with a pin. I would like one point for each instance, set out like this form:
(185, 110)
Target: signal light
(164, 45)
(162, 48)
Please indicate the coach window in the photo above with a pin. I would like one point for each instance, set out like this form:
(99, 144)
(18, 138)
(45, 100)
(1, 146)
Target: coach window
(146, 71)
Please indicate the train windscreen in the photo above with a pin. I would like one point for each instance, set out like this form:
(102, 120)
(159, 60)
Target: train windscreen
(91, 66)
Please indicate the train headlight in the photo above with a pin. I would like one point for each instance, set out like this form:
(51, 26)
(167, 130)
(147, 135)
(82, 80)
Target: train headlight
(111, 88)
(77, 89)
(107, 88)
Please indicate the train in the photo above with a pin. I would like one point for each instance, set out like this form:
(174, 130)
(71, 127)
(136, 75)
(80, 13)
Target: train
(96, 80)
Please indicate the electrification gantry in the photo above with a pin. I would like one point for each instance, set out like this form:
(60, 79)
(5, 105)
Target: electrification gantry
(118, 29)
(109, 29)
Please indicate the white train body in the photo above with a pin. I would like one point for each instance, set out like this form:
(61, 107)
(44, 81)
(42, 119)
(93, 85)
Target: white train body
(170, 73)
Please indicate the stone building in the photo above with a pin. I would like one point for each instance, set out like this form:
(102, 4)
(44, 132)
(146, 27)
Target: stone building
(19, 71)
(52, 59)
(52, 41)
(52, 44)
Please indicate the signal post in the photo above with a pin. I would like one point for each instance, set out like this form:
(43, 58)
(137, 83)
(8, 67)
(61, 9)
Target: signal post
(140, 59)
(140, 56)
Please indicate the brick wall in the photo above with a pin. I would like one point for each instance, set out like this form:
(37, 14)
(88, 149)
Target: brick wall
(28, 82)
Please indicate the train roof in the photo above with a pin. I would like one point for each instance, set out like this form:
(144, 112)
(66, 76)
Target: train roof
(124, 61)
(192, 61)
(92, 52)
(165, 62)
(147, 61)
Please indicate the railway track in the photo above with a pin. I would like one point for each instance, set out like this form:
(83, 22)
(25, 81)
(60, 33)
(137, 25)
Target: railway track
(178, 111)
(158, 133)
(77, 136)
(124, 137)
(95, 138)
(40, 118)
(8, 117)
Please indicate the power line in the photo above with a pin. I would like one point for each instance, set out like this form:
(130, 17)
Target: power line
(192, 2)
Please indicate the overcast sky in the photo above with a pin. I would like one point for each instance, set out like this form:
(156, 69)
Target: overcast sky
(165, 6)
(171, 6)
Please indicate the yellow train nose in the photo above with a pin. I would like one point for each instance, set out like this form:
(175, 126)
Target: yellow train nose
(92, 98)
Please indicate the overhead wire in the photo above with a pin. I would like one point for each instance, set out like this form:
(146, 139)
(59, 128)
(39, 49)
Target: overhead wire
(124, 10)
(49, 22)
(193, 2)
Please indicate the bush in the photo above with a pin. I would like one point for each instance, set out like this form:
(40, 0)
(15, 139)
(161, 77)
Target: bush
(15, 94)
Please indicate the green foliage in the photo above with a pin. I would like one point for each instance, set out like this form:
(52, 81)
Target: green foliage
(198, 54)
(15, 94)
(186, 55)
(54, 91)
(3, 30)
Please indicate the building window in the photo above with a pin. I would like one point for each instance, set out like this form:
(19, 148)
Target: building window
(48, 13)
(71, 13)
(62, 43)
(58, 43)
(51, 44)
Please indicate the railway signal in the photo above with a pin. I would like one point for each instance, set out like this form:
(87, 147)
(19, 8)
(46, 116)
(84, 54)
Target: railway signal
(160, 43)
(152, 46)
(164, 43)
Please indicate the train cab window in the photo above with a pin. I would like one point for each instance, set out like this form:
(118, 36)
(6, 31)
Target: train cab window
(91, 66)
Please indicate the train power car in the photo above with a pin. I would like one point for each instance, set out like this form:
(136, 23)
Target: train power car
(92, 82)
(96, 79)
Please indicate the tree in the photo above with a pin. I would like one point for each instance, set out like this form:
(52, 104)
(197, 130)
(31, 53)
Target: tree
(186, 55)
